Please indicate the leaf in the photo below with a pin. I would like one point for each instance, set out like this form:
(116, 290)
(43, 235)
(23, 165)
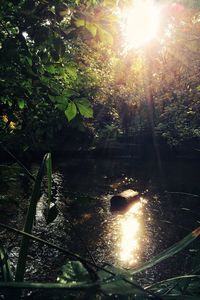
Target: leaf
(49, 176)
(175, 248)
(4, 265)
(69, 93)
(116, 270)
(48, 286)
(52, 98)
(51, 69)
(180, 297)
(186, 283)
(71, 111)
(79, 22)
(61, 106)
(71, 71)
(29, 61)
(61, 102)
(52, 214)
(118, 286)
(105, 36)
(21, 264)
(74, 272)
(21, 103)
(91, 28)
(198, 88)
(84, 107)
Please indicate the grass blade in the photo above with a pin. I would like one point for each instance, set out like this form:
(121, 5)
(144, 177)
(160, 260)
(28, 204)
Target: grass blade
(172, 280)
(180, 297)
(29, 223)
(49, 176)
(4, 265)
(177, 247)
(17, 161)
(38, 285)
(179, 286)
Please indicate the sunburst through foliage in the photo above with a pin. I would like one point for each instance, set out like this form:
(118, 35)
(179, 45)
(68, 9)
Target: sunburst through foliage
(140, 23)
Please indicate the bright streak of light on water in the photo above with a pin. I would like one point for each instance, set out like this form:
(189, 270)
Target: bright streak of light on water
(129, 231)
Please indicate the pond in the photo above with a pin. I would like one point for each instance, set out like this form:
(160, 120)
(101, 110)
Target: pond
(167, 211)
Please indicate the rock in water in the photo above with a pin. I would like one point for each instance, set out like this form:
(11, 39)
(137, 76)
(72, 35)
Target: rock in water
(122, 201)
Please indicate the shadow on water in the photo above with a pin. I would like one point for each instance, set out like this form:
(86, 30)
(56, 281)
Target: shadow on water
(82, 189)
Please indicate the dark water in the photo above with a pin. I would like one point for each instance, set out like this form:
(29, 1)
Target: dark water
(166, 213)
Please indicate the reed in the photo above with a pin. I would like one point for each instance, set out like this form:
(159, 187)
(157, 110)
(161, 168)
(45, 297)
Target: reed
(21, 265)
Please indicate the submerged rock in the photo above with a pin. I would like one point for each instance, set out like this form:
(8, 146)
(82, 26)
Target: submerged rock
(123, 200)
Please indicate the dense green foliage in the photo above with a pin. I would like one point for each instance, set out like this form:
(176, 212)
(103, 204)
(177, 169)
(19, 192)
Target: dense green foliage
(43, 69)
(63, 67)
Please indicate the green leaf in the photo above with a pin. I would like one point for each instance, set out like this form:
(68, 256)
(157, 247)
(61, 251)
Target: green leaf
(118, 286)
(71, 71)
(29, 60)
(61, 106)
(49, 176)
(69, 93)
(71, 111)
(51, 69)
(74, 272)
(52, 98)
(48, 286)
(21, 103)
(91, 28)
(84, 107)
(21, 265)
(79, 22)
(105, 36)
(9, 102)
(187, 284)
(103, 275)
(4, 265)
(61, 102)
(198, 88)
(180, 297)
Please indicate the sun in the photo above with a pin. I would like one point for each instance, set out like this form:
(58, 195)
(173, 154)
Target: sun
(140, 23)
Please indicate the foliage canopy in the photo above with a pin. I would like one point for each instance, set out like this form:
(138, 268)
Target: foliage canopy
(65, 60)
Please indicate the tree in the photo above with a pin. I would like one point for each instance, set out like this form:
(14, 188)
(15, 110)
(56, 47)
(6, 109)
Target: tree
(42, 73)
(60, 60)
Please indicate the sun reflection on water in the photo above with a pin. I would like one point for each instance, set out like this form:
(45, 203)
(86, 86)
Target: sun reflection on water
(129, 235)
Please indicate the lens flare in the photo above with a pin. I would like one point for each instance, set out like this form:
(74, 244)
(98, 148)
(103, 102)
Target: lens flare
(140, 23)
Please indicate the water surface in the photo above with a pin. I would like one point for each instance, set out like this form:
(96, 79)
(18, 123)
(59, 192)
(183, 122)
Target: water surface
(82, 190)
